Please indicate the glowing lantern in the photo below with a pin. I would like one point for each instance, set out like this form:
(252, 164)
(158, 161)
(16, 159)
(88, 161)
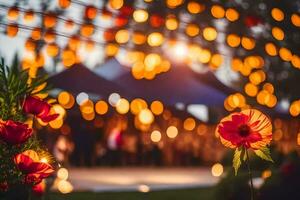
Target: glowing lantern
(172, 131)
(36, 34)
(13, 13)
(74, 43)
(87, 30)
(90, 12)
(122, 106)
(217, 11)
(138, 38)
(155, 39)
(12, 30)
(277, 14)
(68, 58)
(64, 3)
(137, 70)
(277, 33)
(210, 33)
(140, 15)
(151, 61)
(248, 43)
(122, 36)
(204, 56)
(28, 16)
(271, 49)
(231, 14)
(116, 4)
(111, 49)
(156, 20)
(52, 50)
(49, 36)
(189, 124)
(49, 20)
(145, 116)
(101, 107)
(251, 89)
(155, 136)
(285, 54)
(157, 107)
(174, 3)
(171, 23)
(137, 105)
(295, 19)
(192, 30)
(194, 7)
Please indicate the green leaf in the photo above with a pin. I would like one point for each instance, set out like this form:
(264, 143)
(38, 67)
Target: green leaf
(264, 153)
(236, 162)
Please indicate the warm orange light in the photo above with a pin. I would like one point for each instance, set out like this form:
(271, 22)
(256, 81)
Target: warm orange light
(68, 58)
(36, 34)
(122, 36)
(49, 20)
(172, 131)
(155, 39)
(64, 3)
(194, 7)
(236, 64)
(52, 50)
(138, 38)
(155, 136)
(66, 100)
(217, 11)
(12, 30)
(232, 14)
(122, 106)
(251, 89)
(145, 116)
(295, 19)
(189, 124)
(140, 15)
(248, 43)
(157, 107)
(90, 12)
(296, 61)
(210, 33)
(271, 49)
(56, 124)
(269, 87)
(111, 49)
(101, 107)
(277, 33)
(137, 70)
(151, 61)
(49, 36)
(28, 16)
(285, 54)
(192, 30)
(137, 105)
(87, 30)
(116, 4)
(216, 61)
(257, 77)
(277, 14)
(13, 13)
(174, 3)
(295, 108)
(171, 23)
(204, 56)
(233, 40)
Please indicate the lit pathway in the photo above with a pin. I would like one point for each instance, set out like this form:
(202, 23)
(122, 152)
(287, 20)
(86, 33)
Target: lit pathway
(139, 179)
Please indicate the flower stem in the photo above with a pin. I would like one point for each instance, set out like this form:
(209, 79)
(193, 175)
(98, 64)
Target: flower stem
(250, 175)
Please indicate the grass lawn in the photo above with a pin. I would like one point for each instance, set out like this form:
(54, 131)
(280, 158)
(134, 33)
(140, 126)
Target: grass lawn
(186, 194)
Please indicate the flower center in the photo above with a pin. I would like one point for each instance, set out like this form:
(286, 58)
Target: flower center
(244, 130)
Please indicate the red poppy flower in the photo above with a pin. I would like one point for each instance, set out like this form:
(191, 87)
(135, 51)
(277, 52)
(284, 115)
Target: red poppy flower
(249, 128)
(35, 171)
(39, 108)
(14, 132)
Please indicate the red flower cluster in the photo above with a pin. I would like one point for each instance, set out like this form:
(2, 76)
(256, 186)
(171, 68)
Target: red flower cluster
(38, 108)
(35, 171)
(14, 133)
